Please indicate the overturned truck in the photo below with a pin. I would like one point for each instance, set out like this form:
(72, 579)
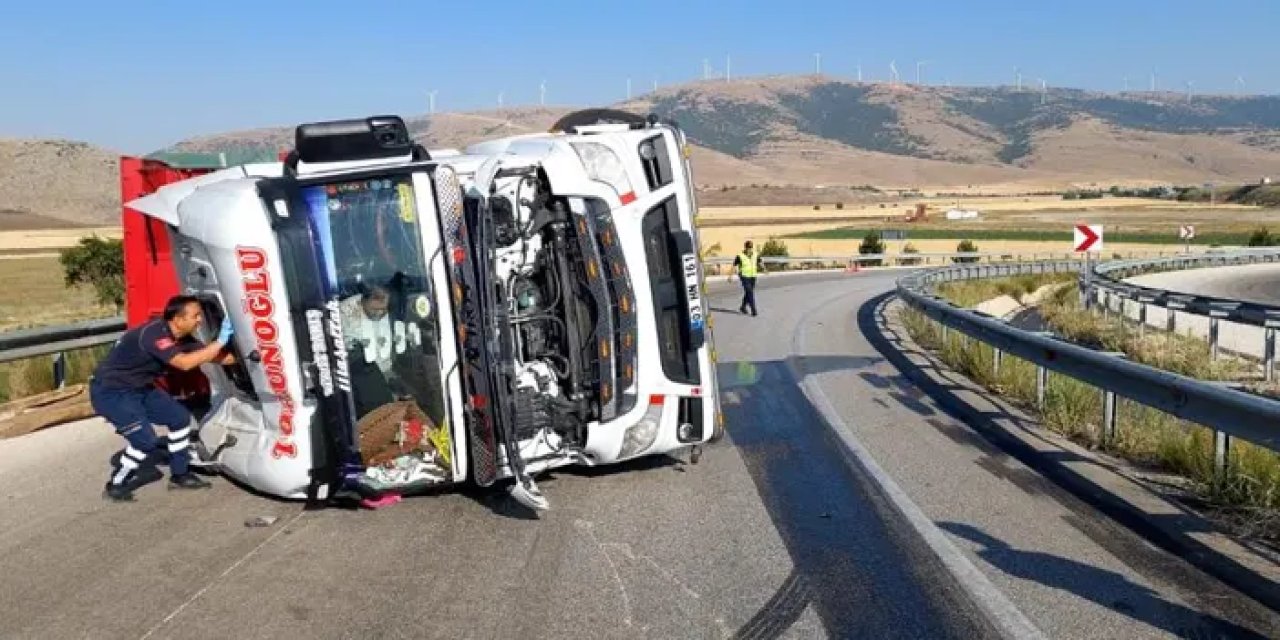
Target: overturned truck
(410, 319)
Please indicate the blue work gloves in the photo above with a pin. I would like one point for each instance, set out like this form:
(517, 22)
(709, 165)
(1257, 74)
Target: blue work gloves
(224, 336)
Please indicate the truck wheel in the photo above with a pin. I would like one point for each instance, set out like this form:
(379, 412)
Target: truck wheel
(588, 117)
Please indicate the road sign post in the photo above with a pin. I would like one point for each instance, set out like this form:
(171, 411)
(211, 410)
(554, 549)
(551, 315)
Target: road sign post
(1088, 240)
(1186, 232)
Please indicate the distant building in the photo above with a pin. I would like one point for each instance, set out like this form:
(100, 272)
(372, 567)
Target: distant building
(962, 214)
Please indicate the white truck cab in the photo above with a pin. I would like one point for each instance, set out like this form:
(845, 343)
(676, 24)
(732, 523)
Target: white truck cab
(407, 320)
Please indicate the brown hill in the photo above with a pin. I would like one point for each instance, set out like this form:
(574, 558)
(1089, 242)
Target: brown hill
(49, 183)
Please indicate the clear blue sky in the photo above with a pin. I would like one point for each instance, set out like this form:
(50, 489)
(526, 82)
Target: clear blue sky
(135, 76)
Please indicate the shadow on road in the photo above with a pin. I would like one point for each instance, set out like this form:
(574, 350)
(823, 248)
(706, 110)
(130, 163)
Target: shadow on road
(724, 310)
(1098, 586)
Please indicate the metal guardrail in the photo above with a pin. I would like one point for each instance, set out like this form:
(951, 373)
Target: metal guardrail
(1108, 281)
(1226, 408)
(57, 341)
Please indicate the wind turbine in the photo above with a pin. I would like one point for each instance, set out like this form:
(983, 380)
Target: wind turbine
(817, 64)
(706, 69)
(1240, 83)
(628, 88)
(728, 64)
(859, 71)
(1018, 72)
(1153, 81)
(431, 100)
(1189, 85)
(542, 93)
(1043, 89)
(1126, 84)
(655, 85)
(500, 99)
(919, 64)
(893, 70)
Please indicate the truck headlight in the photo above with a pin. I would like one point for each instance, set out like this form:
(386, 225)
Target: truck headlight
(640, 436)
(603, 165)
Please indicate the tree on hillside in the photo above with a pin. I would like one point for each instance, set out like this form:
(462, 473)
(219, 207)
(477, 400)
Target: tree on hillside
(97, 263)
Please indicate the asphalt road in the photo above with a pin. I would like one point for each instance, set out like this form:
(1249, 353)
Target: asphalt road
(1254, 283)
(776, 532)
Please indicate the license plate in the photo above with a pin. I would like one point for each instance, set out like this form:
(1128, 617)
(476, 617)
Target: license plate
(693, 292)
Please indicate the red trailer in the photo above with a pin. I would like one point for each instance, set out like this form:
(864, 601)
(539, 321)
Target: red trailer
(149, 274)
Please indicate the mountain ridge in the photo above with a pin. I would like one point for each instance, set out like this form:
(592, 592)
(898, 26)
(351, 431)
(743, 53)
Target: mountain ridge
(800, 132)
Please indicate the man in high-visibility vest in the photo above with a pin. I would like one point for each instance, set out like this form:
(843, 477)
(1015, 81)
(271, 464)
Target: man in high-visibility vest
(747, 264)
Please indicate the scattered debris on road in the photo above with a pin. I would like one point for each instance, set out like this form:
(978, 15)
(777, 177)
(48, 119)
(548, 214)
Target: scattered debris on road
(261, 521)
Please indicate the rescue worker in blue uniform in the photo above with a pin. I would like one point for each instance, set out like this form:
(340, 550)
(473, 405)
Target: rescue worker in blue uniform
(123, 391)
(747, 264)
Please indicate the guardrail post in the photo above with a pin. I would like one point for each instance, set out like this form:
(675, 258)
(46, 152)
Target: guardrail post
(1042, 385)
(60, 370)
(1109, 400)
(1142, 316)
(1108, 417)
(996, 357)
(1221, 455)
(1270, 324)
(1213, 335)
(1171, 308)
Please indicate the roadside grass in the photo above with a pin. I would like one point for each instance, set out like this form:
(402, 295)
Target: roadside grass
(1249, 495)
(33, 294)
(30, 376)
(1207, 238)
(968, 293)
(1179, 353)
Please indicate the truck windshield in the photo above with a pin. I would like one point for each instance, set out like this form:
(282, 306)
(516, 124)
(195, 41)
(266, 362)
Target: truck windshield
(369, 232)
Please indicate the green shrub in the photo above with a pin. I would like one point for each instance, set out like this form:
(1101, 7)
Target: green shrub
(871, 244)
(966, 246)
(909, 248)
(97, 263)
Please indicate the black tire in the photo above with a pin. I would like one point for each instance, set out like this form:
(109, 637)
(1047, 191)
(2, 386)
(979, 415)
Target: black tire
(588, 117)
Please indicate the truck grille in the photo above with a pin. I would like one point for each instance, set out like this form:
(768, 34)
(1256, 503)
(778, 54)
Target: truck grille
(623, 304)
(585, 228)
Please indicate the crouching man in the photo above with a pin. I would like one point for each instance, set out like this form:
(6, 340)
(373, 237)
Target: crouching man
(123, 391)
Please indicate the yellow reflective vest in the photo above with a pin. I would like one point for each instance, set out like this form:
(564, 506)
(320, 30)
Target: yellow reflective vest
(747, 265)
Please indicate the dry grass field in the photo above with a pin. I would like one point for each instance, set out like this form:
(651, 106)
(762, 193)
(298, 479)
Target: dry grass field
(34, 295)
(49, 241)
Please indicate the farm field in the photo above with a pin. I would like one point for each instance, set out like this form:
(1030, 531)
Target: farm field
(1021, 224)
(49, 241)
(34, 295)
